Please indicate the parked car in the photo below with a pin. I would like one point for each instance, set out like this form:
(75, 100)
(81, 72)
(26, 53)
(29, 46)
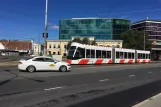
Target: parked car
(43, 63)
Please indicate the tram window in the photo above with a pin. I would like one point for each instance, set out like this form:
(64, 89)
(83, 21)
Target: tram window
(77, 55)
(80, 53)
(104, 54)
(117, 55)
(147, 56)
(108, 54)
(132, 55)
(139, 55)
(98, 53)
(88, 53)
(71, 52)
(143, 56)
(121, 55)
(92, 53)
(129, 55)
(125, 55)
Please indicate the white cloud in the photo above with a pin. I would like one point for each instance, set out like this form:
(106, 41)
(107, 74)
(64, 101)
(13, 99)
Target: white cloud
(52, 26)
(124, 16)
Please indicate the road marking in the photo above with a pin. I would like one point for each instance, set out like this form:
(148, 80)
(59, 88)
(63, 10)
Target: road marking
(104, 80)
(131, 75)
(149, 72)
(53, 88)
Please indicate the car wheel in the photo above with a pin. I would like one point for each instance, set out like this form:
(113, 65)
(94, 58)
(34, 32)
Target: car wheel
(31, 68)
(63, 68)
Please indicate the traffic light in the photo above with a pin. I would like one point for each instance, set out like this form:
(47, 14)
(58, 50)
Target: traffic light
(45, 35)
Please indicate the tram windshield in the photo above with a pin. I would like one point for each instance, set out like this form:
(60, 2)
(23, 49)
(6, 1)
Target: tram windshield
(71, 52)
(79, 53)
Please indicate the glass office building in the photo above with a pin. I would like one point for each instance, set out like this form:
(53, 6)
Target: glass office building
(100, 28)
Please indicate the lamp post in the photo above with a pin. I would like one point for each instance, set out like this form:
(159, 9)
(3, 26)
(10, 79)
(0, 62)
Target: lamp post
(144, 38)
(45, 30)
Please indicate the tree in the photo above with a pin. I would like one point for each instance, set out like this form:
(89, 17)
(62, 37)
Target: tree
(94, 43)
(135, 40)
(69, 44)
(85, 41)
(78, 40)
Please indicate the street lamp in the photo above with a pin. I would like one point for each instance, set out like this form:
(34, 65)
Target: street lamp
(45, 30)
(144, 38)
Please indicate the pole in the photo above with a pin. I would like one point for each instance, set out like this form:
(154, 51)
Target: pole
(45, 30)
(60, 47)
(39, 46)
(144, 39)
(32, 45)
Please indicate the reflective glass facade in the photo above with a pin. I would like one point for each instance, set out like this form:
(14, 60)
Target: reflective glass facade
(120, 26)
(100, 28)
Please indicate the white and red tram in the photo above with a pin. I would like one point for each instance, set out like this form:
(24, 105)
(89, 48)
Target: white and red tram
(90, 54)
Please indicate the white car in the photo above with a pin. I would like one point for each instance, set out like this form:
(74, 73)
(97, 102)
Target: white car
(42, 63)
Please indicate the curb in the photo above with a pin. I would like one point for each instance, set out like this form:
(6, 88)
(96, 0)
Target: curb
(147, 100)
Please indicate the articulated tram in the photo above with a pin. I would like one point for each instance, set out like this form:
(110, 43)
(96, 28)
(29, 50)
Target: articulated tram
(90, 54)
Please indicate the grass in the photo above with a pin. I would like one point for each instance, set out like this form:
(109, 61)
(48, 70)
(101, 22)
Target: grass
(10, 63)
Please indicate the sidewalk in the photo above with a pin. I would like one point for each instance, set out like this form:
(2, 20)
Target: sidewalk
(154, 101)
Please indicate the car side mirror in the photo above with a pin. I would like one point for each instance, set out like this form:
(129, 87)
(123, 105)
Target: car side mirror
(55, 62)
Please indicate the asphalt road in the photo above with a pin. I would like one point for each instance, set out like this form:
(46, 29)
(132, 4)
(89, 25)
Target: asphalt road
(48, 89)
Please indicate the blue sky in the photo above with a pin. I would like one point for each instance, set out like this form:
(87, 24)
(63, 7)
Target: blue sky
(24, 19)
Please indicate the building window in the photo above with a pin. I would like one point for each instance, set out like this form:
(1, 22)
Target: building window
(50, 46)
(65, 54)
(58, 45)
(54, 46)
(65, 46)
(54, 53)
(58, 53)
(49, 52)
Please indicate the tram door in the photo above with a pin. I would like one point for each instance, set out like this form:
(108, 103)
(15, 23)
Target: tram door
(113, 55)
(136, 56)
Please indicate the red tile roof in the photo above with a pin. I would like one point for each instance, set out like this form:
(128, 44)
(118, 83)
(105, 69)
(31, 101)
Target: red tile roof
(4, 42)
(17, 44)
